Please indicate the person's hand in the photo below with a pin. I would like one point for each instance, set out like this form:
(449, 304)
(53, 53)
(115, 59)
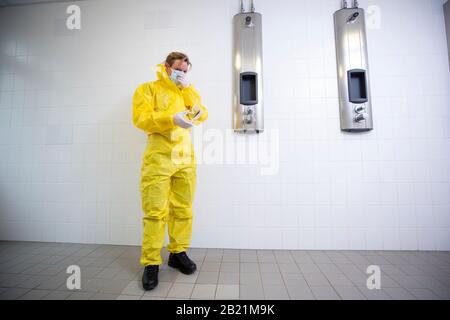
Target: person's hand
(181, 120)
(182, 80)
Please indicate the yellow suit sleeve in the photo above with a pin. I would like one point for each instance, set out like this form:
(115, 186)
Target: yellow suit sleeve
(144, 115)
(191, 98)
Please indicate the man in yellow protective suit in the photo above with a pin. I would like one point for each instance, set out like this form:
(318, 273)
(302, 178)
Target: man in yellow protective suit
(166, 109)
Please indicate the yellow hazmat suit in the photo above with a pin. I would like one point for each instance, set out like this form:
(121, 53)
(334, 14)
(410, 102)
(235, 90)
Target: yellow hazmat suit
(168, 170)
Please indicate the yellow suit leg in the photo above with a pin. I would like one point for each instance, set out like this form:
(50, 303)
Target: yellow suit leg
(180, 212)
(155, 189)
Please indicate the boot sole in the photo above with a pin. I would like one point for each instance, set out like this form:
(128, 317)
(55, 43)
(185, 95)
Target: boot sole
(148, 288)
(176, 266)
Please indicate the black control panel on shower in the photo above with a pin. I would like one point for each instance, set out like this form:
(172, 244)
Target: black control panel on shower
(357, 86)
(249, 88)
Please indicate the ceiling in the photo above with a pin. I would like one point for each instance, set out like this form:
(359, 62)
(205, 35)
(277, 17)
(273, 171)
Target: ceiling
(9, 3)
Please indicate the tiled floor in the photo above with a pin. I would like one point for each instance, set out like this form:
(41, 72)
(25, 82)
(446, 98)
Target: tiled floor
(38, 271)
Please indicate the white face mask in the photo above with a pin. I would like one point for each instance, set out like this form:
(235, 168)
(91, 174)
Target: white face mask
(175, 74)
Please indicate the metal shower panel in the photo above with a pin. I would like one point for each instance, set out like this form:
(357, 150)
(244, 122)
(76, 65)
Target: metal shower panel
(248, 111)
(353, 69)
(447, 26)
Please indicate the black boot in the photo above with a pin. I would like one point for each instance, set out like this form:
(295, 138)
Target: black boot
(182, 262)
(150, 277)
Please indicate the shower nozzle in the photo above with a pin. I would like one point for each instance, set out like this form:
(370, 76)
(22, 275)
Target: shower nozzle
(353, 17)
(248, 21)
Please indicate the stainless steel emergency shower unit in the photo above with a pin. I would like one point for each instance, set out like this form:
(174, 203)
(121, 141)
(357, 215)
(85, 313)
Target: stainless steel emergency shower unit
(248, 112)
(353, 69)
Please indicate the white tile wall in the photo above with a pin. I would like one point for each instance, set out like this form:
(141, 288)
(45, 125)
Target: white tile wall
(70, 156)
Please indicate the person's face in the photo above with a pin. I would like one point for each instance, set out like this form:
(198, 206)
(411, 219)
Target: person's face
(179, 65)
